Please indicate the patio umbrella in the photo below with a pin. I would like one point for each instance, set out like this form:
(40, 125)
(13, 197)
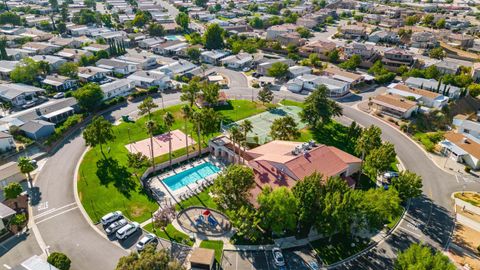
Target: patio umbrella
(206, 212)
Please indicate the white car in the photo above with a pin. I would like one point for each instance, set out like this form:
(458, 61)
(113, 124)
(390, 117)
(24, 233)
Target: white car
(115, 226)
(278, 257)
(127, 230)
(111, 217)
(59, 95)
(147, 239)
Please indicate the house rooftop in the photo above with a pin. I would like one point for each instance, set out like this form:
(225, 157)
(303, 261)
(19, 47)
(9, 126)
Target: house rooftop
(396, 102)
(467, 144)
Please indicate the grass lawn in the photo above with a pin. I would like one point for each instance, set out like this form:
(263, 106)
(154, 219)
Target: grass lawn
(338, 249)
(472, 198)
(201, 199)
(429, 139)
(171, 234)
(215, 245)
(106, 185)
(289, 102)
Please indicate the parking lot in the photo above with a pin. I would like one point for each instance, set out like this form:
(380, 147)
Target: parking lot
(296, 258)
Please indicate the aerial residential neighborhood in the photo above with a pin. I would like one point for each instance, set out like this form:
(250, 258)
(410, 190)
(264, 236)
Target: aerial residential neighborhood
(249, 134)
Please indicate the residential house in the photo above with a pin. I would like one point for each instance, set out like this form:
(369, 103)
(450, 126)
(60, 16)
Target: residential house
(423, 40)
(17, 54)
(467, 125)
(169, 47)
(447, 66)
(463, 148)
(58, 116)
(141, 61)
(395, 57)
(365, 51)
(41, 47)
(319, 47)
(117, 88)
(59, 83)
(78, 30)
(423, 97)
(145, 79)
(295, 71)
(66, 42)
(213, 57)
(6, 143)
(274, 31)
(19, 94)
(150, 42)
(343, 75)
(10, 173)
(383, 36)
(73, 55)
(38, 129)
(180, 67)
(291, 38)
(6, 67)
(284, 163)
(95, 48)
(117, 66)
(238, 61)
(459, 40)
(54, 61)
(266, 63)
(310, 82)
(434, 86)
(394, 105)
(353, 31)
(92, 74)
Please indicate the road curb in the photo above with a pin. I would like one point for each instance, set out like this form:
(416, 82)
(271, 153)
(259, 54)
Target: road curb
(80, 205)
(31, 222)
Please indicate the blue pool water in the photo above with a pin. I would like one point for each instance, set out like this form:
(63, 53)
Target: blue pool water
(171, 37)
(189, 176)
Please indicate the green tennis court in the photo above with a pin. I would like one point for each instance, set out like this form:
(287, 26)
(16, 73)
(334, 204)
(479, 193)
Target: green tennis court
(261, 123)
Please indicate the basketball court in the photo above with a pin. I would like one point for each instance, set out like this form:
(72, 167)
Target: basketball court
(262, 122)
(160, 143)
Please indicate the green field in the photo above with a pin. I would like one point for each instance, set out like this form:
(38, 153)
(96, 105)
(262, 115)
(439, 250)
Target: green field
(170, 234)
(109, 185)
(215, 245)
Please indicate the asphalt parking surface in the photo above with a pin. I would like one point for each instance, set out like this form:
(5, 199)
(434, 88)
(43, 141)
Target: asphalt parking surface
(296, 258)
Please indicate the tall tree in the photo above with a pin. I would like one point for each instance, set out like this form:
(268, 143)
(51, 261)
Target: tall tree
(278, 70)
(146, 107)
(151, 128)
(236, 137)
(89, 96)
(53, 5)
(318, 110)
(210, 93)
(421, 257)
(369, 140)
(265, 95)
(12, 190)
(232, 185)
(150, 258)
(168, 120)
(26, 166)
(187, 114)
(197, 119)
(99, 132)
(308, 192)
(284, 128)
(278, 209)
(246, 221)
(408, 184)
(182, 20)
(214, 37)
(190, 91)
(246, 126)
(380, 160)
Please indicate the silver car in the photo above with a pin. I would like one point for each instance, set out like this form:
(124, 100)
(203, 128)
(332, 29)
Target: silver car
(115, 226)
(127, 230)
(147, 239)
(111, 217)
(278, 257)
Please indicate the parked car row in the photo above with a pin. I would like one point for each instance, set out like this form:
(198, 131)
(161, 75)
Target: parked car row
(115, 223)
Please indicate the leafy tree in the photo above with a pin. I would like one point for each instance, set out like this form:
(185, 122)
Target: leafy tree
(214, 37)
(53, 5)
(12, 190)
(156, 30)
(369, 140)
(318, 109)
(9, 17)
(26, 71)
(150, 258)
(437, 53)
(421, 257)
(379, 160)
(292, 18)
(69, 69)
(308, 192)
(19, 219)
(408, 184)
(256, 23)
(64, 11)
(278, 209)
(232, 185)
(59, 260)
(91, 4)
(141, 18)
(412, 20)
(265, 95)
(61, 27)
(440, 24)
(190, 91)
(193, 54)
(210, 121)
(146, 107)
(333, 56)
(278, 70)
(382, 75)
(474, 90)
(89, 96)
(284, 128)
(379, 207)
(106, 20)
(86, 16)
(428, 19)
(99, 132)
(200, 3)
(169, 120)
(210, 93)
(26, 166)
(304, 32)
(182, 20)
(247, 223)
(352, 63)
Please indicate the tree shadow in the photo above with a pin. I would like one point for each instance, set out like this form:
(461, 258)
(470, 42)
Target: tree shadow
(108, 171)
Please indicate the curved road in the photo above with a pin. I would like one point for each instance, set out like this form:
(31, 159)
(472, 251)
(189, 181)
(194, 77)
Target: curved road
(63, 227)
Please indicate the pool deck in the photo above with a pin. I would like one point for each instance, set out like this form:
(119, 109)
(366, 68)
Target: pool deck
(163, 193)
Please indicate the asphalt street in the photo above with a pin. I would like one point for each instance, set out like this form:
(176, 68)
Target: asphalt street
(63, 227)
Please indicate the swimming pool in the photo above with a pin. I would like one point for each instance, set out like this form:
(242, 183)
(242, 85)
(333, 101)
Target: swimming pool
(189, 176)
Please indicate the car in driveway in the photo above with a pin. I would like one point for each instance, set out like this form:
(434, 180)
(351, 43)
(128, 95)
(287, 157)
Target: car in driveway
(112, 228)
(59, 95)
(147, 239)
(127, 230)
(29, 104)
(111, 217)
(390, 175)
(278, 258)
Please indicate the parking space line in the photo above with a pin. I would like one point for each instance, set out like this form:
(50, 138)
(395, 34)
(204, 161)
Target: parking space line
(7, 266)
(61, 213)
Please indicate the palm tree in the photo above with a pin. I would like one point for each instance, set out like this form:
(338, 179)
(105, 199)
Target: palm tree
(26, 166)
(187, 114)
(235, 135)
(197, 121)
(168, 119)
(146, 107)
(151, 127)
(246, 127)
